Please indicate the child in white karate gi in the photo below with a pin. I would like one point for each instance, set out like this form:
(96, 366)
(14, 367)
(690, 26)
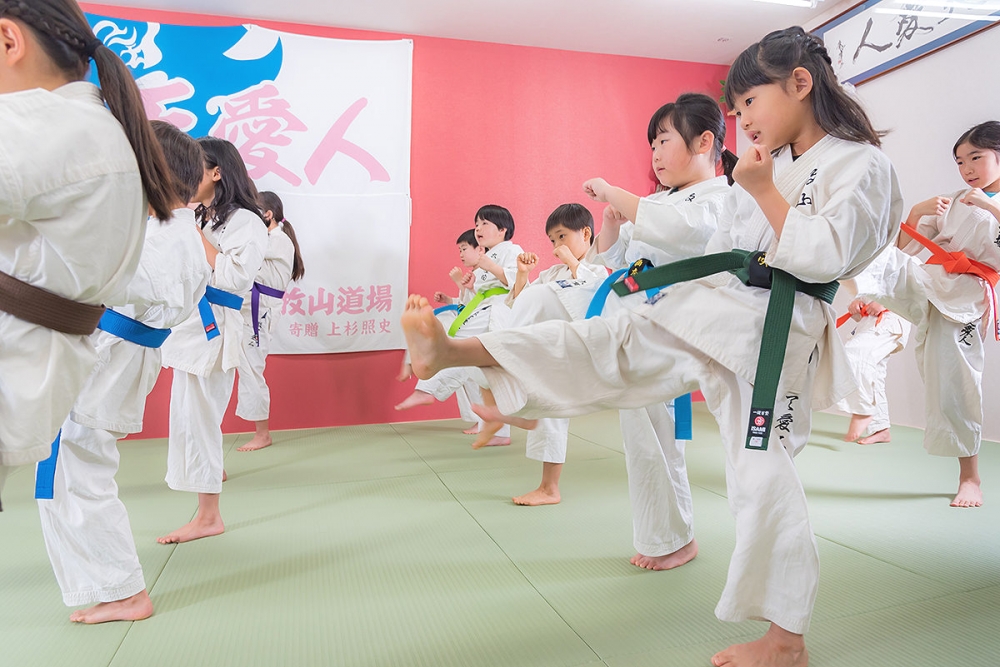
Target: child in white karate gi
(687, 139)
(486, 311)
(878, 334)
(85, 525)
(75, 178)
(814, 202)
(469, 254)
(235, 240)
(282, 264)
(951, 307)
(561, 292)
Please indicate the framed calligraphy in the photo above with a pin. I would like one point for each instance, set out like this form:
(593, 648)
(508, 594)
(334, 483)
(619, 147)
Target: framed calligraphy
(877, 36)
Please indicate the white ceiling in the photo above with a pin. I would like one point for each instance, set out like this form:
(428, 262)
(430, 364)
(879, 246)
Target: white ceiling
(708, 31)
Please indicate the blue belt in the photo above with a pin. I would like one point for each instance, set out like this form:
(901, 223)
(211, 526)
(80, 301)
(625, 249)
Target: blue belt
(219, 298)
(683, 417)
(451, 306)
(131, 330)
(45, 472)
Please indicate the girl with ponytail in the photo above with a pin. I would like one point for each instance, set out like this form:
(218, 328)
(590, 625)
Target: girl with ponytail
(282, 264)
(75, 180)
(687, 137)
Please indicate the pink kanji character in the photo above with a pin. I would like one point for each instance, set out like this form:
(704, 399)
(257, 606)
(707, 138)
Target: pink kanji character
(380, 298)
(291, 303)
(334, 142)
(324, 301)
(351, 301)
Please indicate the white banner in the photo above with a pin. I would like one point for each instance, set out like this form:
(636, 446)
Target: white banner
(325, 124)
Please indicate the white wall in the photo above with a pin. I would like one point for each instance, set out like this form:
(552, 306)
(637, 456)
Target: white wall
(927, 105)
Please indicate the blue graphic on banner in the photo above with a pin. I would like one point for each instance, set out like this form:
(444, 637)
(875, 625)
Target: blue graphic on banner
(185, 66)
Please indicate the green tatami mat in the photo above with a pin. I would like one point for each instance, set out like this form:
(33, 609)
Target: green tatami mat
(398, 545)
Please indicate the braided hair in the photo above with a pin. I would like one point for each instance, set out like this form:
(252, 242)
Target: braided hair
(66, 38)
(772, 60)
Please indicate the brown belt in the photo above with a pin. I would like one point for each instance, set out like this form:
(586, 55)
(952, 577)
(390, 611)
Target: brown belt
(38, 306)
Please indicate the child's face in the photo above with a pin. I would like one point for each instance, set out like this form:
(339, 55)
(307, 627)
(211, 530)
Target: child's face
(979, 167)
(577, 240)
(469, 255)
(671, 157)
(488, 234)
(771, 115)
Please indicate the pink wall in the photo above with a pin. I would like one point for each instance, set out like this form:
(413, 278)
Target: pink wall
(517, 126)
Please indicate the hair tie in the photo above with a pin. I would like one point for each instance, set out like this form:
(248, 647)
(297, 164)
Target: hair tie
(92, 47)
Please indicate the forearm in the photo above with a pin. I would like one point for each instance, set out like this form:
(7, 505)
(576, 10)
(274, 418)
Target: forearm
(519, 284)
(623, 200)
(774, 207)
(489, 265)
(608, 237)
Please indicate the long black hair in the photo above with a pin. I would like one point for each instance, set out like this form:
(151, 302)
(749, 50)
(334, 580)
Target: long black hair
(772, 60)
(233, 190)
(691, 115)
(66, 37)
(269, 201)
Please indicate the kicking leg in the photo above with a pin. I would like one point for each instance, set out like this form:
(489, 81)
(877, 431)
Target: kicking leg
(431, 350)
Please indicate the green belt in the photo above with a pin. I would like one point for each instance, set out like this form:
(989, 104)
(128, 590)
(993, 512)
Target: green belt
(470, 307)
(750, 268)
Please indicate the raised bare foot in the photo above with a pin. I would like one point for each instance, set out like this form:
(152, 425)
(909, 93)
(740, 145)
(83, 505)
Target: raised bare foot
(777, 648)
(667, 561)
(134, 608)
(259, 441)
(857, 428)
(878, 436)
(538, 497)
(416, 399)
(970, 494)
(425, 337)
(405, 372)
(472, 430)
(194, 530)
(490, 413)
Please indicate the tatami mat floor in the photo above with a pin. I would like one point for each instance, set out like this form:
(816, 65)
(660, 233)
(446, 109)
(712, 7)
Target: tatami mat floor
(398, 545)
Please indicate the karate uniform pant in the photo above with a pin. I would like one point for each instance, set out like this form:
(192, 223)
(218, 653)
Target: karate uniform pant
(253, 398)
(950, 358)
(868, 351)
(658, 488)
(85, 525)
(628, 361)
(458, 381)
(194, 446)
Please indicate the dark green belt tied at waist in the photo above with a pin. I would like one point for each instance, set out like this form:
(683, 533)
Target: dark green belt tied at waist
(750, 268)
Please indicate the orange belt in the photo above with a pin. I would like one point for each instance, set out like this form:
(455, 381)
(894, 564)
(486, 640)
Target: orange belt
(957, 262)
(864, 313)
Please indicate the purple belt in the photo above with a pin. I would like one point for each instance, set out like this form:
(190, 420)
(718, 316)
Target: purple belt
(255, 293)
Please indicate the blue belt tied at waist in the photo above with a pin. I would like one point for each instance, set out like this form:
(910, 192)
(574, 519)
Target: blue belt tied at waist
(255, 293)
(444, 309)
(219, 298)
(683, 415)
(131, 330)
